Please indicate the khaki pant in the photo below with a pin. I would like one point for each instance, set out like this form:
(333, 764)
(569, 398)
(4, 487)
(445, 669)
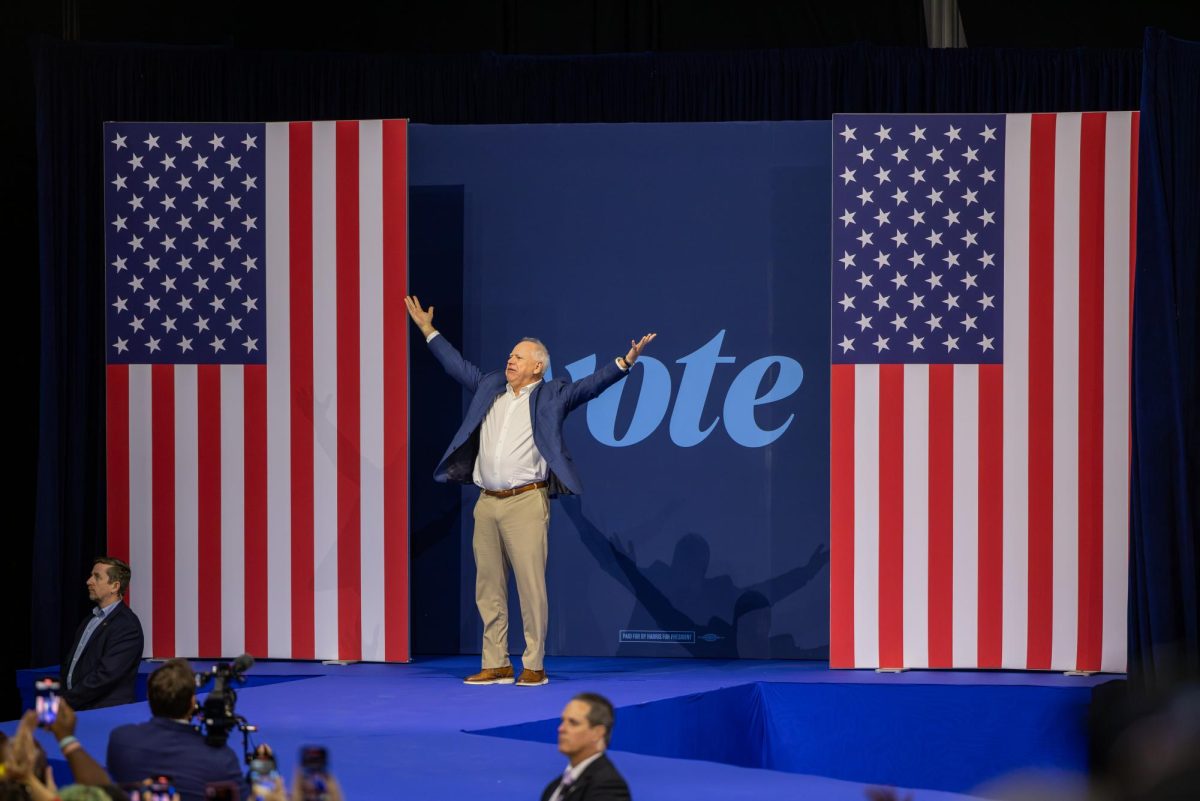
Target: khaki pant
(510, 533)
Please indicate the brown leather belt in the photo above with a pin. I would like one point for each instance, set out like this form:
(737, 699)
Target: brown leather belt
(508, 493)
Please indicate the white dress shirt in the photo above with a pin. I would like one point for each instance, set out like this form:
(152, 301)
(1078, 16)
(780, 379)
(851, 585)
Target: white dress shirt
(508, 456)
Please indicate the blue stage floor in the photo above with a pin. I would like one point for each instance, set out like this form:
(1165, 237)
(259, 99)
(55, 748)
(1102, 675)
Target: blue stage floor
(416, 732)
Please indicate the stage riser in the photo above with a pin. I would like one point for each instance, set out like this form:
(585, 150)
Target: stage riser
(954, 738)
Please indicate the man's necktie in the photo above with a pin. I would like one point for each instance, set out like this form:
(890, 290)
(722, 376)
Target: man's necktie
(564, 785)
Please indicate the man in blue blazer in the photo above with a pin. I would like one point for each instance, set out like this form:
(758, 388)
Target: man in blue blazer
(167, 745)
(511, 446)
(101, 666)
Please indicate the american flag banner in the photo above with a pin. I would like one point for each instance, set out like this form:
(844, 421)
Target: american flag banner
(257, 391)
(979, 452)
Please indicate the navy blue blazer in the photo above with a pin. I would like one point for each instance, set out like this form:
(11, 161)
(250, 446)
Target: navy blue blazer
(549, 405)
(165, 747)
(106, 674)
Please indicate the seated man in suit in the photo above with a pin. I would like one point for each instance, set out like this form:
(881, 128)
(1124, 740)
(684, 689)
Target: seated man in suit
(101, 667)
(167, 745)
(585, 731)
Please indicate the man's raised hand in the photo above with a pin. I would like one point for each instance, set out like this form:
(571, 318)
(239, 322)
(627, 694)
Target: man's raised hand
(422, 317)
(635, 348)
(64, 722)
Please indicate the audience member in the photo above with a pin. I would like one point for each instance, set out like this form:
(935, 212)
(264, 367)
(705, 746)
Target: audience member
(26, 775)
(1144, 736)
(86, 792)
(84, 768)
(26, 772)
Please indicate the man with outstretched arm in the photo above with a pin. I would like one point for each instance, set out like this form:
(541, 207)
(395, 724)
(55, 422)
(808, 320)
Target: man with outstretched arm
(511, 446)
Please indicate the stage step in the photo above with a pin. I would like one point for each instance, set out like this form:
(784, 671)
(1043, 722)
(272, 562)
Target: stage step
(938, 736)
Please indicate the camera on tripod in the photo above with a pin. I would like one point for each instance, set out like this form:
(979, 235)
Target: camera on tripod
(218, 715)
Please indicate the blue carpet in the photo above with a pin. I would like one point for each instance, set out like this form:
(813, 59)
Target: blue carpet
(779, 730)
(27, 678)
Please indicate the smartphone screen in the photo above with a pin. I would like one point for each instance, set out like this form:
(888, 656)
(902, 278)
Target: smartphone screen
(46, 704)
(313, 787)
(222, 791)
(159, 788)
(314, 759)
(314, 762)
(262, 782)
(148, 794)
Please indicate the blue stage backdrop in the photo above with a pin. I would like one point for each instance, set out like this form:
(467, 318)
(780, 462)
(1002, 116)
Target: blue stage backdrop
(703, 528)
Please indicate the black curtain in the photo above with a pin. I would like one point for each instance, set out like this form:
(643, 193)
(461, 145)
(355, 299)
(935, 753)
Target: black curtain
(516, 26)
(1164, 604)
(79, 86)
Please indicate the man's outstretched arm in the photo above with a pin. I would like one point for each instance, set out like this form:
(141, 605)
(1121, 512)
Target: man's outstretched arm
(590, 386)
(451, 360)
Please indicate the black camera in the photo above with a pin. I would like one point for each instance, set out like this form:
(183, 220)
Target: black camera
(218, 715)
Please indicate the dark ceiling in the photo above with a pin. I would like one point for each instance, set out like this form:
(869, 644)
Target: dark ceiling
(594, 26)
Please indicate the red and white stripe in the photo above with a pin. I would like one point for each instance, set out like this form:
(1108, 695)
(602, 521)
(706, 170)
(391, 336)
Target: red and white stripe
(979, 514)
(264, 509)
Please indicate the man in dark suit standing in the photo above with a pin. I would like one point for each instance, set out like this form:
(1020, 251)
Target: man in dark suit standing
(511, 446)
(100, 669)
(585, 731)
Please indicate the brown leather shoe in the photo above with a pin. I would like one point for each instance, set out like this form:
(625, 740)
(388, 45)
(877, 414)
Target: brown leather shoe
(532, 678)
(500, 675)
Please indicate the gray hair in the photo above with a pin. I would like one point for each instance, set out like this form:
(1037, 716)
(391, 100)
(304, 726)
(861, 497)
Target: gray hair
(542, 354)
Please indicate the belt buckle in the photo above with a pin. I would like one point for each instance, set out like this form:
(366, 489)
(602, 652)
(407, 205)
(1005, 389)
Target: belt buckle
(513, 491)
